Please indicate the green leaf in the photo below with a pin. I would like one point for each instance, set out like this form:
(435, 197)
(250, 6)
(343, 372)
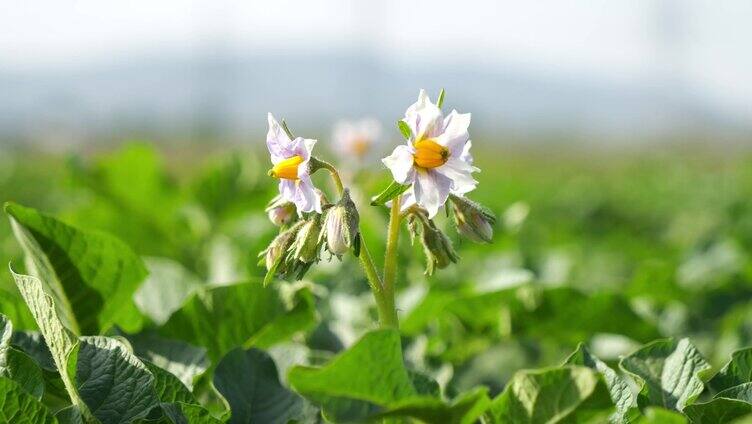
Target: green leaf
(250, 383)
(717, 411)
(670, 371)
(564, 394)
(186, 413)
(440, 100)
(32, 343)
(169, 389)
(116, 386)
(568, 394)
(60, 341)
(389, 193)
(165, 290)
(91, 275)
(226, 317)
(383, 387)
(405, 130)
(737, 371)
(621, 394)
(654, 415)
(69, 415)
(465, 409)
(741, 392)
(184, 361)
(17, 365)
(18, 407)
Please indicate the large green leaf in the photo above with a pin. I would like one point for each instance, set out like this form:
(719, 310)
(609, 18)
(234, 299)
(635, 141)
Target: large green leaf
(382, 386)
(184, 361)
(17, 365)
(223, 318)
(116, 386)
(670, 371)
(621, 394)
(18, 407)
(60, 341)
(249, 381)
(187, 413)
(165, 290)
(737, 371)
(169, 388)
(717, 411)
(564, 394)
(91, 275)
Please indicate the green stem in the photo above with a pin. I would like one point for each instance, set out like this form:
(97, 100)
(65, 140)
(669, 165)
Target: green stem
(385, 306)
(390, 257)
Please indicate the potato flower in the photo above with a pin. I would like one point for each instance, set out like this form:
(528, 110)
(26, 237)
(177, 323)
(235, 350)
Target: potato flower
(356, 139)
(436, 159)
(290, 159)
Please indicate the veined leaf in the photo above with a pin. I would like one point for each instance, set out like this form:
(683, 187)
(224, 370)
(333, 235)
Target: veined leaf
(620, 392)
(737, 371)
(116, 386)
(670, 371)
(17, 365)
(60, 341)
(225, 317)
(91, 276)
(718, 411)
(18, 407)
(383, 387)
(565, 394)
(184, 361)
(393, 190)
(249, 381)
(169, 389)
(188, 413)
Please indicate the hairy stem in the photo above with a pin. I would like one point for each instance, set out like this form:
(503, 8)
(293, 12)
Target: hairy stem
(384, 303)
(390, 257)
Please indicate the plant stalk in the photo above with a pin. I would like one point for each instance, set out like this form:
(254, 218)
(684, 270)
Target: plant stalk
(384, 303)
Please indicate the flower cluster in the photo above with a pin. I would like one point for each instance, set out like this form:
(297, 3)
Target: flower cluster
(433, 168)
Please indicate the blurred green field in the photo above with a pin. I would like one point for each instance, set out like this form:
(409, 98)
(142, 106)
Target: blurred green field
(609, 247)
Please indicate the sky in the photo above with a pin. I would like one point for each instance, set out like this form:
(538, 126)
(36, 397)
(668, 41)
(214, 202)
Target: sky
(702, 43)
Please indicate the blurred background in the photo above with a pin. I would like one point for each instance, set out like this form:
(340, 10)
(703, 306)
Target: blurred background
(614, 139)
(622, 71)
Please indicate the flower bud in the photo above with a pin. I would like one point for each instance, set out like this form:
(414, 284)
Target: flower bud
(280, 211)
(306, 246)
(437, 248)
(473, 220)
(341, 227)
(274, 253)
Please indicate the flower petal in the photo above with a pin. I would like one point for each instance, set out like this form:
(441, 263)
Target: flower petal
(277, 141)
(307, 200)
(303, 147)
(423, 117)
(454, 135)
(400, 162)
(460, 174)
(431, 190)
(465, 156)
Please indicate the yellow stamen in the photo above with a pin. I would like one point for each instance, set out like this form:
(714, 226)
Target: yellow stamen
(430, 154)
(287, 169)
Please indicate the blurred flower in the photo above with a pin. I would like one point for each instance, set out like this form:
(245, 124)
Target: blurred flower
(355, 139)
(280, 211)
(290, 159)
(473, 220)
(341, 227)
(436, 159)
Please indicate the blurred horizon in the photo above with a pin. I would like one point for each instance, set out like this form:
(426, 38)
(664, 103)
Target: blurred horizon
(618, 73)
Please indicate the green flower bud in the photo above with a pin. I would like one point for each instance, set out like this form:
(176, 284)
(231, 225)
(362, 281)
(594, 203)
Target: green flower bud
(341, 227)
(306, 246)
(473, 220)
(437, 248)
(280, 211)
(274, 253)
